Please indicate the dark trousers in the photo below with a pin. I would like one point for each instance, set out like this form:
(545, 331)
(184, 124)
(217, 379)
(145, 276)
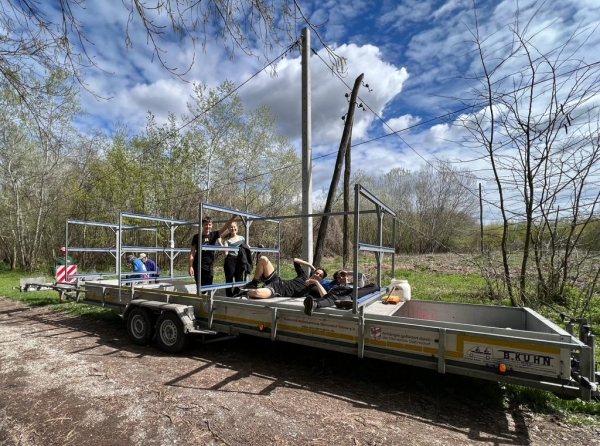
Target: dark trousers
(207, 277)
(229, 270)
(326, 301)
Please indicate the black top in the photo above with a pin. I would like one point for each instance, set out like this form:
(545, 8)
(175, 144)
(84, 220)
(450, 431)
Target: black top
(208, 257)
(295, 287)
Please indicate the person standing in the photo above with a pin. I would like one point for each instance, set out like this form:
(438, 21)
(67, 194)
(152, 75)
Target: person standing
(231, 238)
(206, 274)
(150, 265)
(63, 259)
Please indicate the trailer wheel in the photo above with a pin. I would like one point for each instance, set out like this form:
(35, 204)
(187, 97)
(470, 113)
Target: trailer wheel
(139, 326)
(169, 333)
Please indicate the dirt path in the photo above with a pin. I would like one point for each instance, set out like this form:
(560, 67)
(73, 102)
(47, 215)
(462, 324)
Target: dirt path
(70, 380)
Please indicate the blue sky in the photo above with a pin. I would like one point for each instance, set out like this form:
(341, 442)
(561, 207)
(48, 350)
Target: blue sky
(415, 55)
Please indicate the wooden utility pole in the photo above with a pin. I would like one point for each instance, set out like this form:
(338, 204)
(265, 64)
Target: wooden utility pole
(344, 144)
(346, 225)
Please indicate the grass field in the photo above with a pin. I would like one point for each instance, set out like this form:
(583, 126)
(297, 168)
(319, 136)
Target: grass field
(426, 283)
(10, 279)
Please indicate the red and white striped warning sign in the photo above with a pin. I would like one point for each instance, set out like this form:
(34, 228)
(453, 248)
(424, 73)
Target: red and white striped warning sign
(62, 271)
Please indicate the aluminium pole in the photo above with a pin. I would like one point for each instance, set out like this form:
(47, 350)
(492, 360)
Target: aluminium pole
(66, 245)
(307, 229)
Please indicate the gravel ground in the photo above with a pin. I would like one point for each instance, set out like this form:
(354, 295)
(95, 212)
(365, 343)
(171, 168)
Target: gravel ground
(71, 380)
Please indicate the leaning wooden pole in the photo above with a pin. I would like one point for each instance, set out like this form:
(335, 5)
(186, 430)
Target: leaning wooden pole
(346, 224)
(346, 135)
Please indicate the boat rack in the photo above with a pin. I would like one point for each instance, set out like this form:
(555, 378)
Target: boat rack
(504, 344)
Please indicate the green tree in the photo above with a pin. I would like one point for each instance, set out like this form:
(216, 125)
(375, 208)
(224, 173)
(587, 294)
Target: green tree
(34, 157)
(239, 160)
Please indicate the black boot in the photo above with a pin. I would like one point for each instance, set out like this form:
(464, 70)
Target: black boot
(346, 304)
(252, 285)
(309, 305)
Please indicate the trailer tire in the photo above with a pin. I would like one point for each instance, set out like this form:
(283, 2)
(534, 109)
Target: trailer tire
(169, 333)
(139, 326)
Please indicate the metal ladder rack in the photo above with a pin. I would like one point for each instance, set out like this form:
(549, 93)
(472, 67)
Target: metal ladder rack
(378, 249)
(247, 218)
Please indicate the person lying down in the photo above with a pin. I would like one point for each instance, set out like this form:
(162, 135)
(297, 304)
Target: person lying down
(339, 295)
(274, 286)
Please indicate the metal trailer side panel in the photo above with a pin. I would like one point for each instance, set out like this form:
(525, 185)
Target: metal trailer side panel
(287, 321)
(469, 314)
(475, 348)
(477, 335)
(467, 344)
(536, 352)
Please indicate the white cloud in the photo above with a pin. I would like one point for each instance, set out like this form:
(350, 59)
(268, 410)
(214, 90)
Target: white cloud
(329, 104)
(434, 45)
(401, 123)
(407, 11)
(451, 7)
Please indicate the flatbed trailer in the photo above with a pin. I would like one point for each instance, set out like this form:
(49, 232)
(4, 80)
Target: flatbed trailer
(498, 343)
(506, 344)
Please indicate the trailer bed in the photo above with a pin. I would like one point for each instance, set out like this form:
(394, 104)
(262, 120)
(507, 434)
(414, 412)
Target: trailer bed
(514, 345)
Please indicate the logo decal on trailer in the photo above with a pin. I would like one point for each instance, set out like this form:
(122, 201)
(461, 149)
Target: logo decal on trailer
(479, 353)
(376, 333)
(526, 358)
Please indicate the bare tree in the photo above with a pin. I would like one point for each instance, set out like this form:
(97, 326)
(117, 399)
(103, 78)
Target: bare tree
(534, 122)
(443, 199)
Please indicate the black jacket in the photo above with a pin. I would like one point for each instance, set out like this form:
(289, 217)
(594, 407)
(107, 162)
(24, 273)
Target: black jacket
(344, 292)
(243, 265)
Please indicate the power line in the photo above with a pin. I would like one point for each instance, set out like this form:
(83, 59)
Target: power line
(145, 152)
(396, 133)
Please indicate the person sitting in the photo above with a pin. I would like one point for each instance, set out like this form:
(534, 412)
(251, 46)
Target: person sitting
(274, 285)
(136, 266)
(150, 265)
(340, 294)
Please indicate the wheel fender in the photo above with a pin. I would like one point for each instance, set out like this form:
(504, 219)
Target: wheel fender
(184, 315)
(133, 305)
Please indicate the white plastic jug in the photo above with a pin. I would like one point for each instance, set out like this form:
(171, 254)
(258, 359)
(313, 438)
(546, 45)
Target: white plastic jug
(400, 288)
